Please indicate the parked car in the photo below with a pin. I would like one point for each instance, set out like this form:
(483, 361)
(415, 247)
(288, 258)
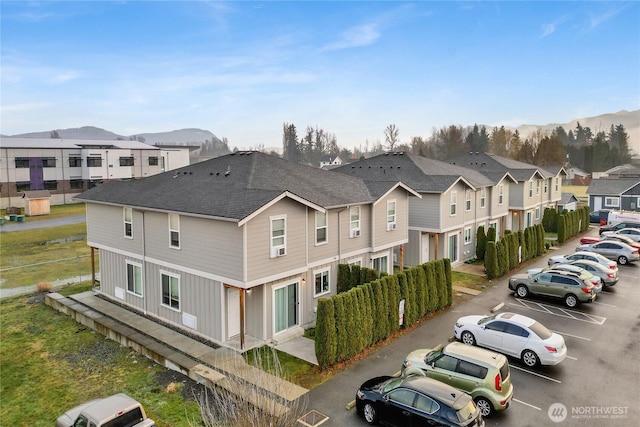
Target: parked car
(415, 401)
(482, 373)
(632, 233)
(619, 226)
(596, 216)
(514, 335)
(617, 251)
(113, 411)
(608, 276)
(594, 279)
(591, 256)
(589, 240)
(570, 287)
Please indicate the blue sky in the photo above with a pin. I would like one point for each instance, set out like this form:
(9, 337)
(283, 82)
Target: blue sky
(242, 68)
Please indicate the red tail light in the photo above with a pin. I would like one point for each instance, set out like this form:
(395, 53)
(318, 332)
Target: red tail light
(551, 349)
(611, 275)
(586, 290)
(612, 266)
(498, 383)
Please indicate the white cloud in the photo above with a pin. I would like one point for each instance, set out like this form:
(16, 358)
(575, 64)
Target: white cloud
(547, 30)
(362, 35)
(597, 20)
(65, 77)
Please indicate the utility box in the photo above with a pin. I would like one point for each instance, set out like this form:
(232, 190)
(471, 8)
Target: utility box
(37, 202)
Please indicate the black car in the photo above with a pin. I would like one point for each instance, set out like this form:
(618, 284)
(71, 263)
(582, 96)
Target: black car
(619, 226)
(415, 400)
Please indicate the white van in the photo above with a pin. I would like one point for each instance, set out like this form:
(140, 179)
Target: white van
(620, 216)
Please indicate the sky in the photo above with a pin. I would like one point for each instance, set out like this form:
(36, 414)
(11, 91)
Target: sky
(242, 69)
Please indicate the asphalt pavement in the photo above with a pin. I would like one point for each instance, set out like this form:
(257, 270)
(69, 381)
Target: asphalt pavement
(31, 224)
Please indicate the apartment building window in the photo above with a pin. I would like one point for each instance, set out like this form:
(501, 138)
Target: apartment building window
(537, 213)
(500, 193)
(174, 231)
(321, 283)
(537, 187)
(171, 291)
(467, 235)
(48, 162)
(483, 197)
(22, 162)
(530, 188)
(127, 213)
(321, 228)
(134, 278)
(546, 186)
(391, 215)
(453, 203)
(612, 202)
(380, 264)
(278, 237)
(354, 222)
(529, 221)
(94, 162)
(453, 247)
(557, 183)
(23, 186)
(126, 161)
(76, 184)
(51, 185)
(153, 161)
(75, 162)
(467, 201)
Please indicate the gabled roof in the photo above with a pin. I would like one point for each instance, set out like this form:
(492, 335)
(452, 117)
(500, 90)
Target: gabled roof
(485, 163)
(422, 174)
(567, 198)
(234, 187)
(614, 187)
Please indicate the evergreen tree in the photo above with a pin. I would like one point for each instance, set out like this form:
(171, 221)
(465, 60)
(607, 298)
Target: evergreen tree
(481, 243)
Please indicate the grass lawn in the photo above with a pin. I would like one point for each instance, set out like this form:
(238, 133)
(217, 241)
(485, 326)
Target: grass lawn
(57, 212)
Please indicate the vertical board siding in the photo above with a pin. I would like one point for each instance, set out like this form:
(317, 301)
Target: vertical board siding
(425, 212)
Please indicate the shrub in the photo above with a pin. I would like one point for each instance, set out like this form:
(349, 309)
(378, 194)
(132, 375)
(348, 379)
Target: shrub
(481, 243)
(491, 236)
(503, 263)
(491, 260)
(326, 340)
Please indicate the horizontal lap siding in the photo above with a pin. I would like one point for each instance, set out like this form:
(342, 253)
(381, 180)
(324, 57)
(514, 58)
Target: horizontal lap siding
(382, 236)
(322, 252)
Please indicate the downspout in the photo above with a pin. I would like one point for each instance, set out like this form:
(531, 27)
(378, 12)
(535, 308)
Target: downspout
(6, 151)
(144, 264)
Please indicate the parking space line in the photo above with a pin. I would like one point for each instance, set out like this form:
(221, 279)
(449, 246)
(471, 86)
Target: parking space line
(536, 374)
(572, 358)
(527, 404)
(560, 312)
(572, 336)
(604, 303)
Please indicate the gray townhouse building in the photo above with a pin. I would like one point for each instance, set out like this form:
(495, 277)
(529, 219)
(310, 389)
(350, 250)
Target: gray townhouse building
(615, 194)
(238, 249)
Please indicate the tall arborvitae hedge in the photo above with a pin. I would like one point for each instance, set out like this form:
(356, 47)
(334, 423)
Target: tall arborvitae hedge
(432, 290)
(341, 326)
(325, 337)
(481, 243)
(356, 276)
(491, 260)
(491, 236)
(513, 250)
(449, 280)
(523, 246)
(501, 253)
(404, 295)
(441, 284)
(540, 229)
(344, 277)
(562, 227)
(550, 220)
(422, 297)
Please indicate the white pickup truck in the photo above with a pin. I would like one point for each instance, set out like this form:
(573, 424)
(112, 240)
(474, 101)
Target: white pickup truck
(118, 410)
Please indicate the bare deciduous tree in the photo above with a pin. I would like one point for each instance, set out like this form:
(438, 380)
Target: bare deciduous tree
(391, 136)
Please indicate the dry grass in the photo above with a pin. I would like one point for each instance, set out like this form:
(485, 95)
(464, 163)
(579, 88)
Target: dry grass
(45, 286)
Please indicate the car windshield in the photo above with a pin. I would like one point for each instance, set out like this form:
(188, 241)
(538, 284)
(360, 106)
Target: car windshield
(485, 320)
(431, 356)
(391, 384)
(466, 411)
(540, 330)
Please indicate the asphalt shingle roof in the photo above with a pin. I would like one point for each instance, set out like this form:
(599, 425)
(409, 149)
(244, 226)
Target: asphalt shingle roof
(232, 187)
(611, 186)
(485, 162)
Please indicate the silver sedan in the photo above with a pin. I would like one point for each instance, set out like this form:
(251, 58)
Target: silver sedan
(609, 277)
(617, 251)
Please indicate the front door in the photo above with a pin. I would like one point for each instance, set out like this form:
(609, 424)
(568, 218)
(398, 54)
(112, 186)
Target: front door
(425, 248)
(597, 203)
(285, 307)
(233, 311)
(453, 247)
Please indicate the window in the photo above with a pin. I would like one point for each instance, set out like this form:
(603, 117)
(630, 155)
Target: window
(467, 235)
(380, 264)
(76, 184)
(426, 404)
(321, 228)
(453, 247)
(126, 161)
(471, 369)
(134, 278)
(530, 188)
(285, 301)
(391, 215)
(497, 326)
(174, 230)
(94, 162)
(51, 185)
(453, 202)
(153, 161)
(354, 221)
(613, 202)
(23, 186)
(500, 193)
(447, 362)
(48, 162)
(537, 187)
(75, 162)
(483, 196)
(322, 283)
(537, 213)
(403, 396)
(546, 186)
(467, 201)
(22, 162)
(128, 222)
(557, 183)
(529, 221)
(171, 291)
(516, 330)
(278, 237)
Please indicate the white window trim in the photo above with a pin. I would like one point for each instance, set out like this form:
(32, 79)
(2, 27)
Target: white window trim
(537, 187)
(557, 182)
(380, 257)
(391, 218)
(467, 201)
(126, 221)
(467, 230)
(273, 306)
(320, 272)
(177, 277)
(275, 249)
(357, 262)
(608, 202)
(326, 228)
(530, 189)
(138, 265)
(453, 203)
(483, 198)
(354, 225)
(500, 194)
(176, 230)
(546, 186)
(537, 214)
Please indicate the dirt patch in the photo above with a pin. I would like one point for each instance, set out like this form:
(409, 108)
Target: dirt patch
(189, 389)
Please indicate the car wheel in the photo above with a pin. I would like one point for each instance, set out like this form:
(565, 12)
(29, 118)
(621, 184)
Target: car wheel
(622, 260)
(370, 414)
(522, 291)
(484, 406)
(529, 358)
(571, 300)
(468, 338)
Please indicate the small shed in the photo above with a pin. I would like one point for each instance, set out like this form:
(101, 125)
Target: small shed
(568, 202)
(37, 202)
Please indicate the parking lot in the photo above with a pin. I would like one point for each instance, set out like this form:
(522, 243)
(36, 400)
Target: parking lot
(596, 385)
